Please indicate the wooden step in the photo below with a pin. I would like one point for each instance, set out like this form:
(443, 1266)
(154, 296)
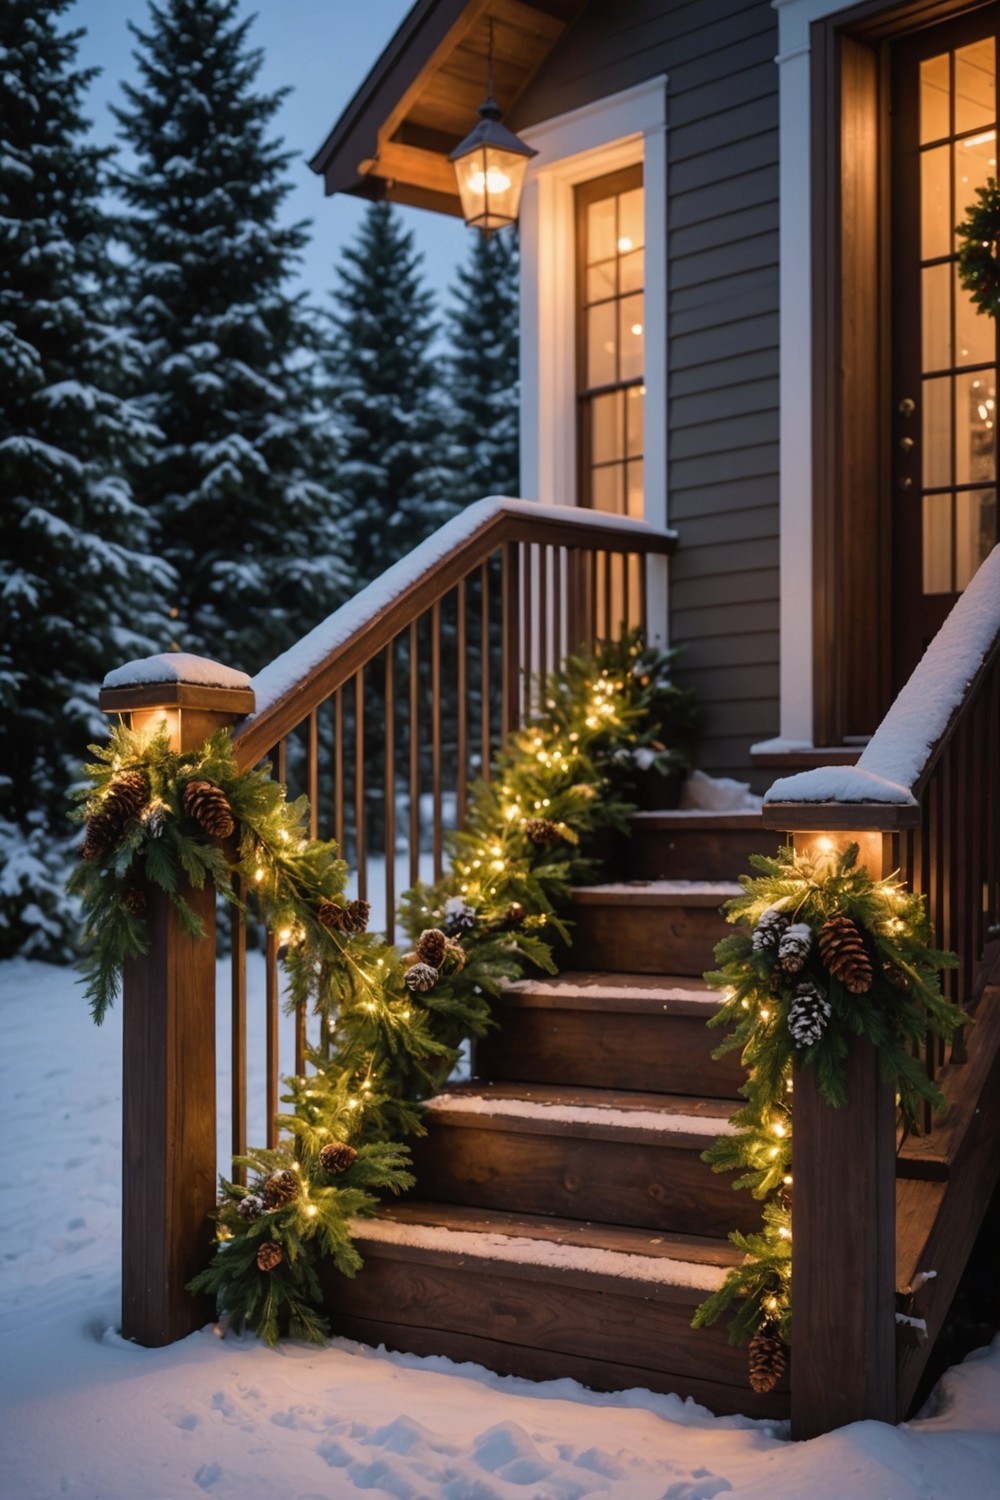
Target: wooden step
(547, 1298)
(649, 926)
(684, 843)
(611, 1031)
(619, 1158)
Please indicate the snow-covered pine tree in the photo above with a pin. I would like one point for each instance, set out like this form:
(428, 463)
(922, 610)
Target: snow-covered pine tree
(79, 590)
(483, 368)
(247, 522)
(394, 465)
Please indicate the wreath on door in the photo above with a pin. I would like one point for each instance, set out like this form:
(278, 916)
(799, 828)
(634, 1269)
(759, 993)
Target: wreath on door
(979, 249)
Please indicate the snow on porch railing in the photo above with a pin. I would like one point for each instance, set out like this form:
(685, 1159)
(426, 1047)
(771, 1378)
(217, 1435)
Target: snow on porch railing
(929, 782)
(386, 711)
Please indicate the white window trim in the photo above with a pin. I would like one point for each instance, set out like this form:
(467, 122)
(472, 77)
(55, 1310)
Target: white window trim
(618, 131)
(795, 343)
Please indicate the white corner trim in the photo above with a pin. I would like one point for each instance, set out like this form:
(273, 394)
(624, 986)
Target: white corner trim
(796, 490)
(611, 133)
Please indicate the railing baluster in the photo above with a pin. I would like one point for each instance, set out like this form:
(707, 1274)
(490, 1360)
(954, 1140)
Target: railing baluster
(312, 779)
(414, 758)
(609, 599)
(238, 1037)
(643, 569)
(526, 569)
(271, 1029)
(511, 638)
(436, 838)
(544, 623)
(558, 623)
(484, 647)
(462, 723)
(359, 783)
(338, 768)
(390, 792)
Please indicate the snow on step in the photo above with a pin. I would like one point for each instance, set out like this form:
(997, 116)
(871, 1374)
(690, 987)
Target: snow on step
(599, 1118)
(484, 1245)
(658, 893)
(637, 992)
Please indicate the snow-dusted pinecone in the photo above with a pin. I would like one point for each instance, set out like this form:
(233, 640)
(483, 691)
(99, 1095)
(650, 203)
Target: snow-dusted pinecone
(357, 916)
(250, 1208)
(126, 796)
(337, 1156)
(542, 831)
(209, 807)
(771, 925)
(431, 947)
(333, 917)
(421, 978)
(459, 916)
(280, 1188)
(269, 1255)
(154, 816)
(767, 1360)
(808, 1013)
(845, 955)
(793, 949)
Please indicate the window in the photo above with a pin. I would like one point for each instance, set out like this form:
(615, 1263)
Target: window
(610, 341)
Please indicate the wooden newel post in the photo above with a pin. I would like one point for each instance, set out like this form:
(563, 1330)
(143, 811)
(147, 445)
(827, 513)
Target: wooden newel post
(168, 1071)
(844, 1239)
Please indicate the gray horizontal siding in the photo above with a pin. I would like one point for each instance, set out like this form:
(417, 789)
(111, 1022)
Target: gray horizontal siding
(722, 249)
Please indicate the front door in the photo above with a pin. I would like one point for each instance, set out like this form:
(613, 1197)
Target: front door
(944, 359)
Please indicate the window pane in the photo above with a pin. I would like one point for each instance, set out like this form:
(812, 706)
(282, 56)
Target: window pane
(975, 409)
(631, 232)
(606, 489)
(633, 421)
(975, 161)
(630, 271)
(600, 230)
(937, 544)
(937, 433)
(936, 317)
(602, 366)
(631, 336)
(975, 85)
(601, 281)
(935, 203)
(975, 532)
(934, 90)
(607, 438)
(633, 490)
(975, 333)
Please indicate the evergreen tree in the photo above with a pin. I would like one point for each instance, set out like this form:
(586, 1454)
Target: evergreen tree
(395, 466)
(483, 369)
(79, 593)
(251, 530)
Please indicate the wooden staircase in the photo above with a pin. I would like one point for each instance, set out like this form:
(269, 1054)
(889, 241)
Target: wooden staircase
(565, 1224)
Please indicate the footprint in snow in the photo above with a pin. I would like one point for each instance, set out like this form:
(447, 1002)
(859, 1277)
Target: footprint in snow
(404, 1435)
(208, 1475)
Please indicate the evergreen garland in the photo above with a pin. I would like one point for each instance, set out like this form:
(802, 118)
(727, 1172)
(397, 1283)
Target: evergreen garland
(824, 953)
(979, 249)
(391, 1024)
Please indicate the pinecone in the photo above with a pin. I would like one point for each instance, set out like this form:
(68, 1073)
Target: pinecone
(767, 1360)
(126, 796)
(337, 1156)
(808, 1013)
(542, 830)
(793, 949)
(209, 806)
(280, 1188)
(357, 916)
(102, 835)
(454, 956)
(898, 978)
(431, 947)
(844, 954)
(770, 928)
(134, 900)
(331, 916)
(421, 978)
(250, 1208)
(269, 1255)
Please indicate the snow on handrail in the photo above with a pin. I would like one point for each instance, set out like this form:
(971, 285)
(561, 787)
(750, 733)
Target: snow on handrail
(280, 676)
(900, 752)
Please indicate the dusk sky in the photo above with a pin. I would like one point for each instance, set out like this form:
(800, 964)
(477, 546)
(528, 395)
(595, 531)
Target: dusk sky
(322, 49)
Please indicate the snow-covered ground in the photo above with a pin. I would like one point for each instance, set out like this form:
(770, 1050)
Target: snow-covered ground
(85, 1415)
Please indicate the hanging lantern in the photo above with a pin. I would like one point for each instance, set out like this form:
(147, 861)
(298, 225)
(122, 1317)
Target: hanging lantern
(490, 165)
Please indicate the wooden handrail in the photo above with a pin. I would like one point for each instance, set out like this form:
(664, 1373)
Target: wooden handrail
(291, 686)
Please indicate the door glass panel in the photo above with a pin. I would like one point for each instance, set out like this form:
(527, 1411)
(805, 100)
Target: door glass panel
(975, 404)
(936, 316)
(975, 161)
(975, 529)
(937, 544)
(935, 99)
(937, 433)
(975, 334)
(975, 86)
(935, 202)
